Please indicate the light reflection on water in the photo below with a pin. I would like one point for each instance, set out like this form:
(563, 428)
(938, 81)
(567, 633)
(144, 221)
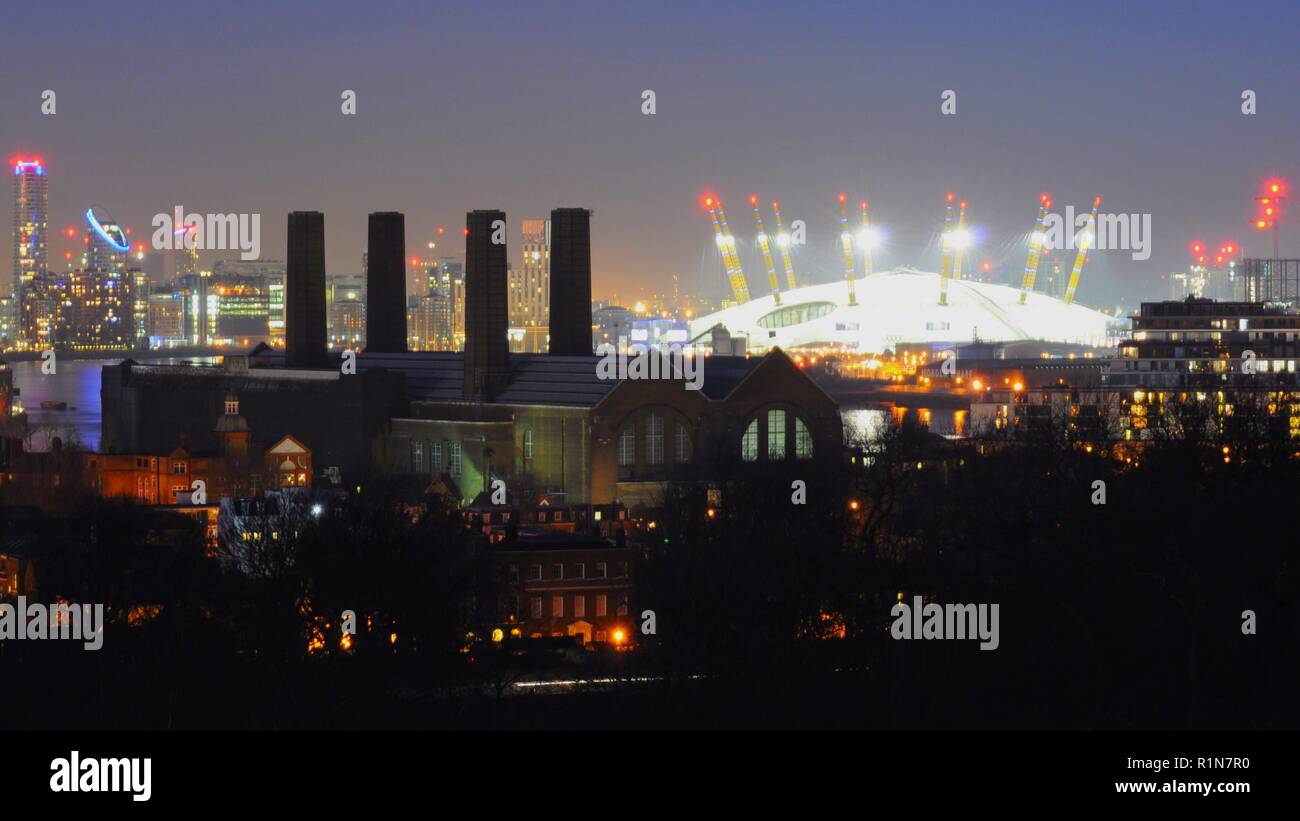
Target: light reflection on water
(77, 383)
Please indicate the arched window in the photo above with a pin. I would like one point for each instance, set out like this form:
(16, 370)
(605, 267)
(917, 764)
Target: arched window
(775, 435)
(749, 443)
(682, 445)
(654, 439)
(627, 447)
(803, 443)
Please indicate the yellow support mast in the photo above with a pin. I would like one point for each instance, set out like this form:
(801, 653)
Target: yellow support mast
(726, 246)
(960, 245)
(783, 242)
(867, 239)
(846, 245)
(1086, 236)
(766, 248)
(1036, 239)
(739, 288)
(945, 265)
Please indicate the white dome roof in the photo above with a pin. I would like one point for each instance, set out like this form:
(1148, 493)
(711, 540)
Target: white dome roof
(902, 305)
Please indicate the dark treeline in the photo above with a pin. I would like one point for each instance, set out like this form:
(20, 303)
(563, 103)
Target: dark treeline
(1126, 614)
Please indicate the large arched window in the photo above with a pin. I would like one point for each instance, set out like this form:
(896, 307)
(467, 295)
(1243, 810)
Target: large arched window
(775, 435)
(749, 442)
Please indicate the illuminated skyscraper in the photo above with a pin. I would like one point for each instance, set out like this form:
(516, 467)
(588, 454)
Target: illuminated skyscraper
(530, 287)
(97, 310)
(30, 250)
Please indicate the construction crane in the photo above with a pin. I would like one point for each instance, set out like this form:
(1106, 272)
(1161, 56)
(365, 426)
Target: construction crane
(1036, 238)
(767, 251)
(945, 265)
(1085, 239)
(846, 245)
(726, 246)
(783, 242)
(867, 239)
(739, 288)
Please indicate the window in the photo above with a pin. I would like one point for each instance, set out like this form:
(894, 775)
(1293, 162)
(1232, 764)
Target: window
(795, 314)
(654, 439)
(417, 457)
(620, 570)
(528, 446)
(749, 442)
(682, 445)
(803, 443)
(536, 605)
(453, 457)
(535, 573)
(557, 571)
(627, 447)
(776, 434)
(557, 607)
(514, 573)
(435, 455)
(579, 606)
(178, 468)
(600, 570)
(580, 571)
(600, 604)
(622, 607)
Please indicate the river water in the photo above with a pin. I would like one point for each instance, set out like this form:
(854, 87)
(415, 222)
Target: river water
(77, 383)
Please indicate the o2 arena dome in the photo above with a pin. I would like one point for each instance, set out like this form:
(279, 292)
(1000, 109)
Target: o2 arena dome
(902, 305)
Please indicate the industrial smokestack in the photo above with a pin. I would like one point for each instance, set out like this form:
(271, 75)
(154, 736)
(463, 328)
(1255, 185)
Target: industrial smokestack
(386, 283)
(570, 282)
(304, 291)
(487, 346)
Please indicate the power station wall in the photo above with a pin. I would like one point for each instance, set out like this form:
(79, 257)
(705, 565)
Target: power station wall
(342, 420)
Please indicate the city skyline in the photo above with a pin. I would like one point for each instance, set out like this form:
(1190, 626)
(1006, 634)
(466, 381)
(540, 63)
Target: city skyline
(1081, 115)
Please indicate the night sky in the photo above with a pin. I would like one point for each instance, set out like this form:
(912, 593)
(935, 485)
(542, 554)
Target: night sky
(234, 107)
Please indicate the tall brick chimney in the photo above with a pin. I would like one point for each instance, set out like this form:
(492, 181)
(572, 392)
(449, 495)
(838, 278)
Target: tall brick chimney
(570, 282)
(304, 291)
(386, 283)
(487, 348)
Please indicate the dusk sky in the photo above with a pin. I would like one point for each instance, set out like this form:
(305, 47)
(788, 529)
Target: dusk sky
(235, 107)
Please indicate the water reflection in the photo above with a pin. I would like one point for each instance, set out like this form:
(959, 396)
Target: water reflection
(76, 383)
